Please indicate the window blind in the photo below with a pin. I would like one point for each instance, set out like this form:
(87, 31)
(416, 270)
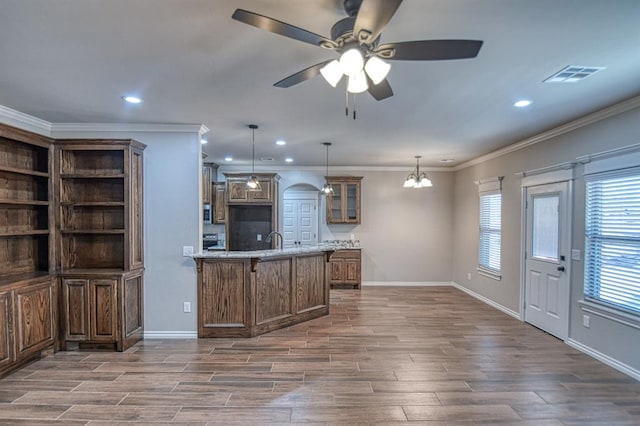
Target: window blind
(612, 239)
(490, 231)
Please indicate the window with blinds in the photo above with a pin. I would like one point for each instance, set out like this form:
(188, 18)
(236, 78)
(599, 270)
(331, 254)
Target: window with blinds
(490, 232)
(612, 239)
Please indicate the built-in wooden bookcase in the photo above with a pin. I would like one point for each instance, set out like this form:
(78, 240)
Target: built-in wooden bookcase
(27, 284)
(100, 240)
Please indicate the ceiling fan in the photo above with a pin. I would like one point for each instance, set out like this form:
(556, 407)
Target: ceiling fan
(357, 39)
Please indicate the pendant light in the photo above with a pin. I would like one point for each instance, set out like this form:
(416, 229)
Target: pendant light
(253, 184)
(417, 179)
(327, 189)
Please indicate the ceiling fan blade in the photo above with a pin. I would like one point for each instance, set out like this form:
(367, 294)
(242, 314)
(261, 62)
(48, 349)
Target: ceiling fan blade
(372, 17)
(279, 27)
(381, 90)
(431, 50)
(303, 75)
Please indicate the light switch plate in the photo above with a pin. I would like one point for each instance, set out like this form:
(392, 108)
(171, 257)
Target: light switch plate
(186, 307)
(575, 254)
(187, 251)
(259, 237)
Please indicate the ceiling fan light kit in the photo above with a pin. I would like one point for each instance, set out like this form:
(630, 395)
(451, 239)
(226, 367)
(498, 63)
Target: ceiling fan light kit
(356, 38)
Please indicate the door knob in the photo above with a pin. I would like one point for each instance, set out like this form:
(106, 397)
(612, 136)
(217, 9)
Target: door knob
(561, 268)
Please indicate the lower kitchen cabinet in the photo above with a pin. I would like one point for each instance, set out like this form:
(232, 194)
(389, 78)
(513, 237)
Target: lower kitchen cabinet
(346, 268)
(102, 309)
(28, 321)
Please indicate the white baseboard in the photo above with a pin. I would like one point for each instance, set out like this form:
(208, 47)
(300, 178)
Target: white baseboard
(488, 301)
(170, 335)
(611, 362)
(406, 283)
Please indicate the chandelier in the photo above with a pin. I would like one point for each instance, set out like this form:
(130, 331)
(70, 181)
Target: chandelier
(417, 179)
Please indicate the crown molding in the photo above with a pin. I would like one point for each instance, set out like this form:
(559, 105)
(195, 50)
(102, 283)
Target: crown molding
(66, 128)
(24, 121)
(586, 120)
(333, 170)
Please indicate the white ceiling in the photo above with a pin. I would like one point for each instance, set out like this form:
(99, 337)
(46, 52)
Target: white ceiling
(70, 61)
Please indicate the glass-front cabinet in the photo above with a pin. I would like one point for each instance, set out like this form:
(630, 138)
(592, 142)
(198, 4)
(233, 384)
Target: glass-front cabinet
(343, 206)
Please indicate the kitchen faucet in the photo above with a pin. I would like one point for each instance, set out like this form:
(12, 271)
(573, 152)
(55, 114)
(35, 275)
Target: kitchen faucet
(268, 239)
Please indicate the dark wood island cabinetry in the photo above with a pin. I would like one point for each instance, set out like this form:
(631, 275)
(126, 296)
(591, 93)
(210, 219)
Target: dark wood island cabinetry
(244, 294)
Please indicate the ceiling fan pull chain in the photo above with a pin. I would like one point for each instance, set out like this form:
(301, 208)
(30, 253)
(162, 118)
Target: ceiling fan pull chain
(354, 106)
(346, 101)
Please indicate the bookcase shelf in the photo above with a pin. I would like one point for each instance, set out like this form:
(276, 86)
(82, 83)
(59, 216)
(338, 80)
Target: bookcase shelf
(28, 303)
(100, 241)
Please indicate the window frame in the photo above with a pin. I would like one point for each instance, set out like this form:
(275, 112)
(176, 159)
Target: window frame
(595, 241)
(489, 188)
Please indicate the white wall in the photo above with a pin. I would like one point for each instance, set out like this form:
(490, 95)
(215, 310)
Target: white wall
(604, 338)
(404, 233)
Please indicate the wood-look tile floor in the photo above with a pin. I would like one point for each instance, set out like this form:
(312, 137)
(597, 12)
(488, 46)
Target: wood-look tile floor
(432, 356)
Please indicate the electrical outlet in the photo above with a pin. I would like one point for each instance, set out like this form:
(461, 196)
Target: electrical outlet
(469, 276)
(186, 307)
(259, 237)
(187, 251)
(586, 321)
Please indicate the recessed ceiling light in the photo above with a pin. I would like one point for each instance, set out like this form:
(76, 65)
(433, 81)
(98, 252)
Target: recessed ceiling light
(132, 99)
(281, 142)
(522, 103)
(228, 158)
(266, 158)
(289, 160)
(447, 160)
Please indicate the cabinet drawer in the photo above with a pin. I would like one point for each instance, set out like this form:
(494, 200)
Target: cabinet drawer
(346, 254)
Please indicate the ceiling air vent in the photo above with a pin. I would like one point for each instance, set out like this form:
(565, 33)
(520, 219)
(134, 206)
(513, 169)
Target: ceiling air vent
(266, 158)
(572, 74)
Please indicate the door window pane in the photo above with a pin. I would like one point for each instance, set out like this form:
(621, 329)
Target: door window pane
(545, 227)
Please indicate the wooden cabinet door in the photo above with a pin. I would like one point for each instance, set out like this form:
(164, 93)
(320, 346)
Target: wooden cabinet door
(351, 271)
(206, 185)
(103, 309)
(35, 318)
(337, 270)
(75, 309)
(219, 203)
(264, 195)
(237, 190)
(6, 330)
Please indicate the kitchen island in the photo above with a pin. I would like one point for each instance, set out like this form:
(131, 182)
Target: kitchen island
(248, 293)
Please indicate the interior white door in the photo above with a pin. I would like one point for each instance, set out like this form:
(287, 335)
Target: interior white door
(299, 222)
(547, 243)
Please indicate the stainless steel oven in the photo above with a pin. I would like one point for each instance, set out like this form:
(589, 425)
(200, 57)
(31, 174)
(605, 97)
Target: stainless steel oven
(206, 214)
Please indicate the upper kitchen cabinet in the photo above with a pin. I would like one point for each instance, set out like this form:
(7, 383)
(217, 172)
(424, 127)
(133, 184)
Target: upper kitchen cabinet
(219, 203)
(237, 189)
(343, 206)
(209, 174)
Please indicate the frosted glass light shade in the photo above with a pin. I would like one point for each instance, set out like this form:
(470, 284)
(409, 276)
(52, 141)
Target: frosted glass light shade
(352, 62)
(332, 72)
(358, 83)
(425, 182)
(253, 184)
(377, 69)
(410, 182)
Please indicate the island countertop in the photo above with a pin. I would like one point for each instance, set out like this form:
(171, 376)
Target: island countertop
(264, 253)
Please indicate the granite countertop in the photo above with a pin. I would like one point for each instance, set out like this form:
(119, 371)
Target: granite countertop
(265, 253)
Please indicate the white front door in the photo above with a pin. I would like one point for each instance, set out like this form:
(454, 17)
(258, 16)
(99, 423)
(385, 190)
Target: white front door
(547, 258)
(300, 222)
